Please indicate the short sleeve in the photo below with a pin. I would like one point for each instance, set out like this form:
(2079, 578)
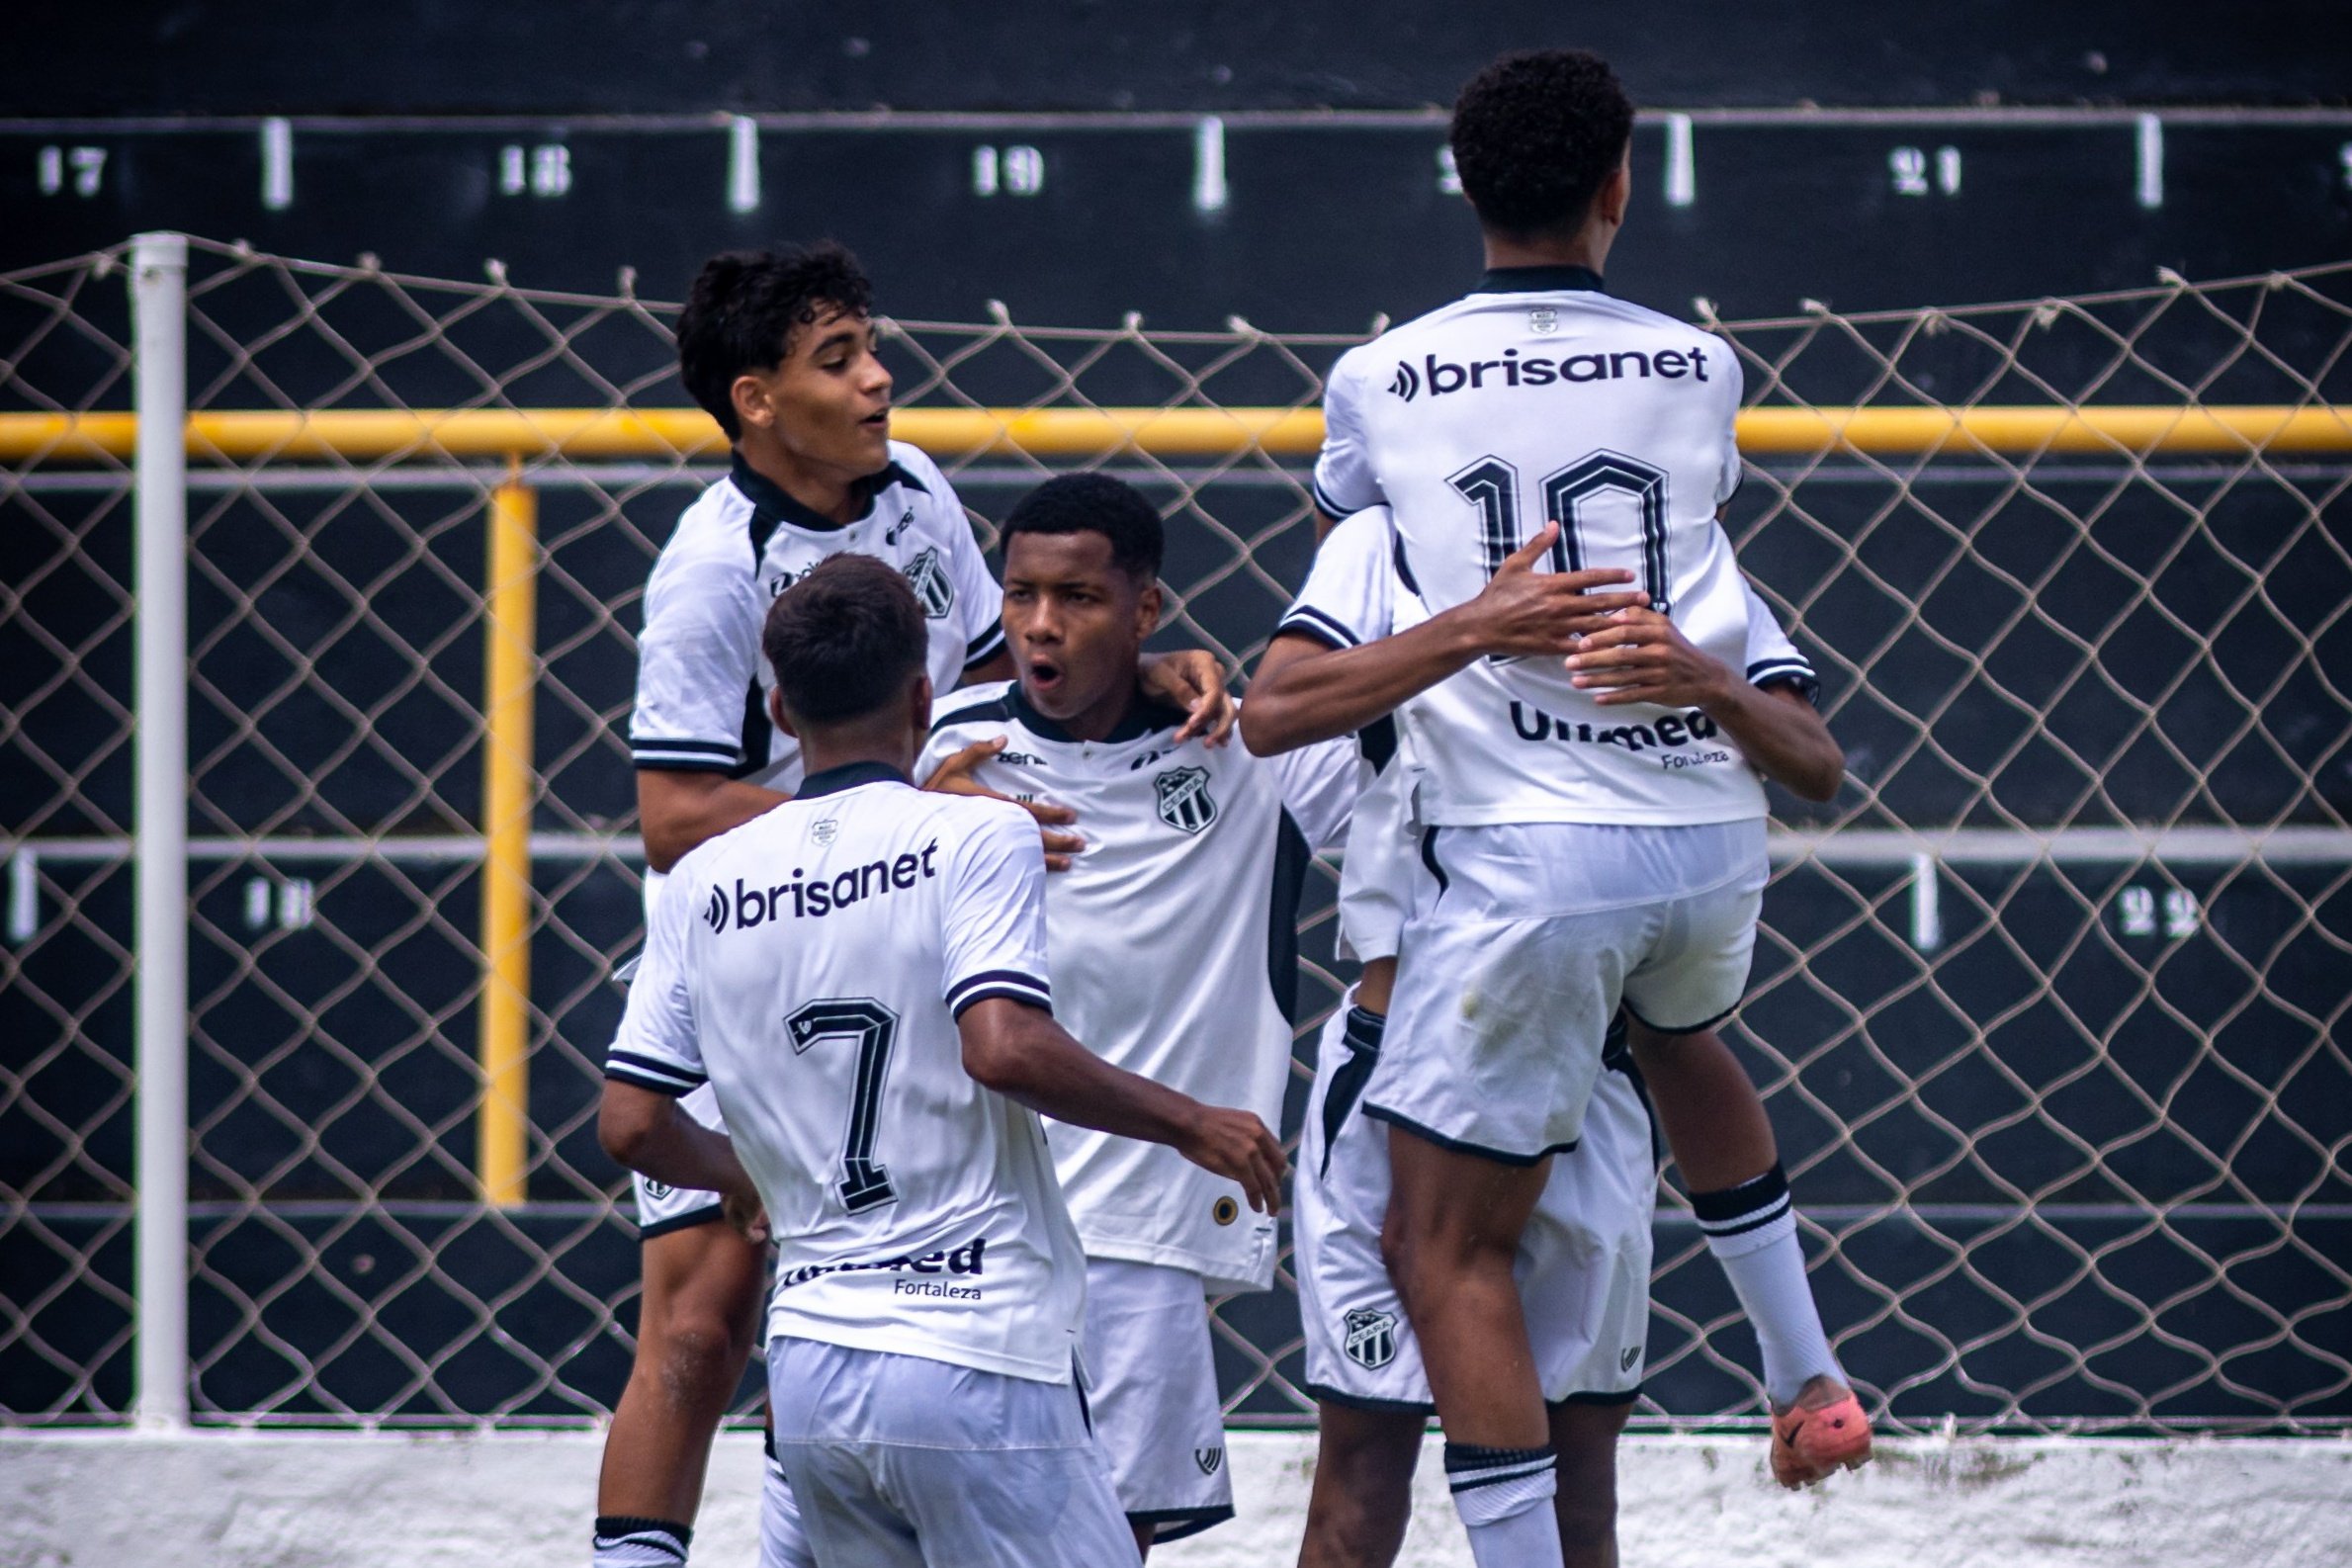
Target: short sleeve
(995, 941)
(658, 1046)
(1320, 783)
(1733, 469)
(1345, 482)
(1351, 593)
(1773, 660)
(698, 660)
(979, 603)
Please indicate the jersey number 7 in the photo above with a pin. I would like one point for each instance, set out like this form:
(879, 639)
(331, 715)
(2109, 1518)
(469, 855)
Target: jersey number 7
(1492, 486)
(873, 1029)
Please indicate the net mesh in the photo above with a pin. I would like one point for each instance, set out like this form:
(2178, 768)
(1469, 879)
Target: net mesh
(2048, 1006)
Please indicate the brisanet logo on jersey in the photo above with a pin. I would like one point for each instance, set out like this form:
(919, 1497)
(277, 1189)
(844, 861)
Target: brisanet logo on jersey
(815, 898)
(1515, 370)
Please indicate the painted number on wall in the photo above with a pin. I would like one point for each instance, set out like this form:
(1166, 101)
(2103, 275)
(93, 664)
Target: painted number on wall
(2140, 911)
(79, 169)
(544, 170)
(1911, 168)
(1017, 171)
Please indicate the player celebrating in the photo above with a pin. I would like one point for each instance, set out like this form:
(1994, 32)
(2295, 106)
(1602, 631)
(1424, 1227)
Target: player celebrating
(1583, 1262)
(779, 349)
(860, 976)
(1173, 936)
(1595, 830)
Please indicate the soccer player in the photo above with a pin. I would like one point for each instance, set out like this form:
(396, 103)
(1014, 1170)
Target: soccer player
(778, 348)
(1173, 934)
(1583, 1270)
(860, 975)
(1594, 825)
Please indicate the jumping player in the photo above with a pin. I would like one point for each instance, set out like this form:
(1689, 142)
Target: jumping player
(860, 976)
(779, 349)
(1173, 936)
(1585, 855)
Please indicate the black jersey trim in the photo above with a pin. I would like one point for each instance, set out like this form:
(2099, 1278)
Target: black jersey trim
(1143, 717)
(1291, 854)
(721, 749)
(645, 1071)
(1004, 992)
(1538, 280)
(1397, 559)
(985, 646)
(848, 776)
(759, 733)
(970, 708)
(1463, 1146)
(1365, 1402)
(1010, 984)
(1329, 505)
(1429, 858)
(1700, 1027)
(649, 763)
(713, 1214)
(1361, 1036)
(1174, 1523)
(1377, 742)
(1304, 620)
(771, 504)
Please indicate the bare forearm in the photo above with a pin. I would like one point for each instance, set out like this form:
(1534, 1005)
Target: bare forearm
(677, 815)
(1782, 737)
(671, 1147)
(1029, 1057)
(1306, 697)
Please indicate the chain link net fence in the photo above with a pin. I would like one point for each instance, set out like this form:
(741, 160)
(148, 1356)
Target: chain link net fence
(2050, 1009)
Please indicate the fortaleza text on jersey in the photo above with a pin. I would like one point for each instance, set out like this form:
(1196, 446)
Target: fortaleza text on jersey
(815, 900)
(967, 1259)
(1511, 370)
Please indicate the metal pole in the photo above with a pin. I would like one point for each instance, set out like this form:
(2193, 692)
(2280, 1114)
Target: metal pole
(159, 297)
(510, 670)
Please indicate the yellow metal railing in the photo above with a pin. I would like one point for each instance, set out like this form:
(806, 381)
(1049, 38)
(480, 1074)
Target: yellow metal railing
(373, 435)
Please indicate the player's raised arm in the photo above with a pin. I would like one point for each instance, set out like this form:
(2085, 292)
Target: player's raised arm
(1307, 690)
(1018, 1051)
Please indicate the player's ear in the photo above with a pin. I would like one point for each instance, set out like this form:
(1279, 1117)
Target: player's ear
(1617, 192)
(1149, 606)
(752, 411)
(778, 716)
(919, 706)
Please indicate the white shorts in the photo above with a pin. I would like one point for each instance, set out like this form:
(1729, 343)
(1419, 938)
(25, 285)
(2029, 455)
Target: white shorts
(1524, 943)
(1376, 874)
(1152, 1384)
(661, 1208)
(898, 1461)
(1583, 1261)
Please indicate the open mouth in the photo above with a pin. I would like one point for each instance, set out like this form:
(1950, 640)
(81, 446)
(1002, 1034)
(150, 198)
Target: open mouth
(1044, 674)
(877, 420)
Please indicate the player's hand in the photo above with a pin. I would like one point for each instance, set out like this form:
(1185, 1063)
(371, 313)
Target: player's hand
(1194, 680)
(1522, 611)
(1643, 657)
(954, 777)
(1236, 1145)
(748, 1216)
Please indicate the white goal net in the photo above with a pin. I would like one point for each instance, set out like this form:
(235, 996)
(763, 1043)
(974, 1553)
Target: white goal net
(2050, 1009)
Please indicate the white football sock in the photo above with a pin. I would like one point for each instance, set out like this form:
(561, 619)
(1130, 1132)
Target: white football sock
(1752, 1231)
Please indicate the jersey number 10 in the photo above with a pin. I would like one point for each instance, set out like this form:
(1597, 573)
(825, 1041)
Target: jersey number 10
(1492, 486)
(873, 1029)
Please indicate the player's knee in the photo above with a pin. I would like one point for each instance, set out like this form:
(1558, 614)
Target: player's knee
(1361, 1502)
(700, 1357)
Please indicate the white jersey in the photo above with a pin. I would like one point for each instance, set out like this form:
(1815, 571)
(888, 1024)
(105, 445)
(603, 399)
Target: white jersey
(702, 682)
(1539, 397)
(810, 965)
(1175, 937)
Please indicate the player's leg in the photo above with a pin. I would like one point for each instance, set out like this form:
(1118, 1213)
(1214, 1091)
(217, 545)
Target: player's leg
(1451, 1240)
(1717, 1130)
(1152, 1398)
(1362, 1497)
(1584, 1435)
(697, 1320)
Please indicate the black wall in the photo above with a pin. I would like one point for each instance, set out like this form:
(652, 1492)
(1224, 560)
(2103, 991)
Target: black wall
(571, 56)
